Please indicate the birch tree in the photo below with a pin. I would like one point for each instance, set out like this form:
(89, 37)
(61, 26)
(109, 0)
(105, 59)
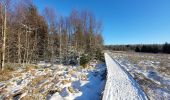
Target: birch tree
(4, 30)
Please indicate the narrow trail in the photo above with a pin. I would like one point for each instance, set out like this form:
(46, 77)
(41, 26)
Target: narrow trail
(120, 85)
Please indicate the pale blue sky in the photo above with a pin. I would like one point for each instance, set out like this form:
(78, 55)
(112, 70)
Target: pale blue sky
(124, 21)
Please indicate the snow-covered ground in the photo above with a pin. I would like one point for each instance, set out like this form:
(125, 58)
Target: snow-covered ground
(151, 71)
(60, 82)
(120, 85)
(57, 82)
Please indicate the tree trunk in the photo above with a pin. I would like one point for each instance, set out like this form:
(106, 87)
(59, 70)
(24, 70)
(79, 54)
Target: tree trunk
(60, 44)
(4, 39)
(19, 47)
(2, 35)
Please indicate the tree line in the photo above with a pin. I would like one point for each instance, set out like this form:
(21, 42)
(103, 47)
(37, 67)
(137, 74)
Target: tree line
(146, 48)
(28, 36)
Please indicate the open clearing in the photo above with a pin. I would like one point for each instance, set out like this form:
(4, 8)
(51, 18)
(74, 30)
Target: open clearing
(151, 71)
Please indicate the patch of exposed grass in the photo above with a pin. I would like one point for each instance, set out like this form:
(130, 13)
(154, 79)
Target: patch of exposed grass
(71, 72)
(37, 80)
(83, 77)
(165, 70)
(71, 89)
(5, 75)
(12, 66)
(28, 97)
(30, 67)
(65, 82)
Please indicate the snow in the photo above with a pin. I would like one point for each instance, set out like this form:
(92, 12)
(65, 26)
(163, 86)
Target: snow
(58, 82)
(89, 89)
(56, 96)
(120, 85)
(149, 73)
(92, 89)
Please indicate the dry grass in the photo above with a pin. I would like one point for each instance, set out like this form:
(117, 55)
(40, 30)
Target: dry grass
(10, 69)
(64, 82)
(5, 75)
(30, 67)
(159, 63)
(71, 89)
(12, 66)
(164, 62)
(83, 77)
(37, 80)
(165, 70)
(71, 72)
(8, 98)
(27, 97)
(39, 91)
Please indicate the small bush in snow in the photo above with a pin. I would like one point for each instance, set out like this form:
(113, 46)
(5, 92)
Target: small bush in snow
(99, 55)
(65, 82)
(71, 89)
(12, 66)
(84, 60)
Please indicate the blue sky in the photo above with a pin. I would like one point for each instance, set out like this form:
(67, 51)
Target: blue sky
(124, 21)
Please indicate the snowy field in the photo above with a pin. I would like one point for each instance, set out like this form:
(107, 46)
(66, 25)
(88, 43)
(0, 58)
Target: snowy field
(57, 82)
(151, 71)
(120, 85)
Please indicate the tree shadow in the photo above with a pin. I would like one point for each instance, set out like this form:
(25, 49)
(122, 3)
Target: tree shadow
(93, 89)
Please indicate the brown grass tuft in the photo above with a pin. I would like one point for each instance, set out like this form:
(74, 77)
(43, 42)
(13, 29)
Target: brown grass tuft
(65, 82)
(5, 75)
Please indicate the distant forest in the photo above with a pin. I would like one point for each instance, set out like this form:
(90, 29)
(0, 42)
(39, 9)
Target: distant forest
(146, 48)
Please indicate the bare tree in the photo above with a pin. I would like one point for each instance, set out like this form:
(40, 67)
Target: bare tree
(33, 37)
(4, 20)
(50, 17)
(1, 34)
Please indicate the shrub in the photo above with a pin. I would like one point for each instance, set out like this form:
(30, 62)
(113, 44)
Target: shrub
(166, 48)
(30, 67)
(12, 66)
(84, 60)
(137, 49)
(99, 55)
